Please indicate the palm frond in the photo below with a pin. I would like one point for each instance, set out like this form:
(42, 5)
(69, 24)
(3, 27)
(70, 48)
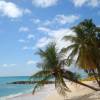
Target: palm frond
(60, 84)
(49, 57)
(69, 74)
(73, 53)
(37, 86)
(70, 38)
(65, 50)
(41, 53)
(40, 84)
(40, 75)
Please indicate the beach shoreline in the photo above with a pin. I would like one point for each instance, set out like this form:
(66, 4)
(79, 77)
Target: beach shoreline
(49, 93)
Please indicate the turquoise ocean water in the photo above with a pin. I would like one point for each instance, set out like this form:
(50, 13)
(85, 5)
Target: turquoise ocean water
(9, 90)
(12, 90)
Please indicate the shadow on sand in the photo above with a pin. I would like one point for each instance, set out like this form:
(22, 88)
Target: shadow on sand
(85, 97)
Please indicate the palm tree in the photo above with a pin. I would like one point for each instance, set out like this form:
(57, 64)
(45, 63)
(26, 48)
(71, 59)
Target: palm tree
(84, 46)
(52, 68)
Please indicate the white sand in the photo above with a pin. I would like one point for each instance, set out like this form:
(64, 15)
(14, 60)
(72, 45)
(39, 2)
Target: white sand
(49, 93)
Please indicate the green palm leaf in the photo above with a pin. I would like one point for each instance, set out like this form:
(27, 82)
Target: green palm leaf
(41, 74)
(39, 84)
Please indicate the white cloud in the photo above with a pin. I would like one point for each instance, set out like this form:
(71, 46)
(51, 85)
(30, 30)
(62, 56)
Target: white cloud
(43, 42)
(23, 29)
(4, 65)
(8, 65)
(22, 40)
(10, 9)
(44, 29)
(25, 48)
(44, 3)
(62, 19)
(27, 11)
(47, 22)
(59, 19)
(30, 36)
(35, 20)
(12, 65)
(31, 62)
(60, 33)
(57, 36)
(28, 48)
(93, 3)
(79, 3)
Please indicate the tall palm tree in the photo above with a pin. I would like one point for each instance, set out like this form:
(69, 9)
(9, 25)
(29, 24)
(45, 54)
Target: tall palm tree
(85, 46)
(52, 68)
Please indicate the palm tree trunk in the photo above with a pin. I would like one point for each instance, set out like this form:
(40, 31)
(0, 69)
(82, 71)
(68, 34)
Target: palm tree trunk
(96, 78)
(78, 82)
(98, 69)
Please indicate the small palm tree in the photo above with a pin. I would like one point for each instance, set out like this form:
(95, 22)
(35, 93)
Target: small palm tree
(52, 69)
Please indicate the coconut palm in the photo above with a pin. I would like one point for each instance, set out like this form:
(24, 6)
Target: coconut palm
(85, 46)
(52, 69)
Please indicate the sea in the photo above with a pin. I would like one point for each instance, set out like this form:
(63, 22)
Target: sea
(12, 90)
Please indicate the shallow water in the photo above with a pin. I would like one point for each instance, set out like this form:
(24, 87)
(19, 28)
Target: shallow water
(15, 89)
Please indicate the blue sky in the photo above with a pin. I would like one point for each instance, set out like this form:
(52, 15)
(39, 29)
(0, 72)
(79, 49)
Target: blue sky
(26, 25)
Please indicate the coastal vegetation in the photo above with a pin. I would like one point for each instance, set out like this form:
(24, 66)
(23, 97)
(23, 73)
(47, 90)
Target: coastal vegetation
(85, 48)
(85, 53)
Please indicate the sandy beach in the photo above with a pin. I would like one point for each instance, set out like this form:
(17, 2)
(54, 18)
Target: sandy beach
(49, 93)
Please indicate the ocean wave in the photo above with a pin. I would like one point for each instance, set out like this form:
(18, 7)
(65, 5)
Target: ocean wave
(10, 96)
(15, 95)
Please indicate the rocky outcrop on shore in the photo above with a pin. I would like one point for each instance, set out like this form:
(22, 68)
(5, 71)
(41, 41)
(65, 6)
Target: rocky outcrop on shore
(29, 82)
